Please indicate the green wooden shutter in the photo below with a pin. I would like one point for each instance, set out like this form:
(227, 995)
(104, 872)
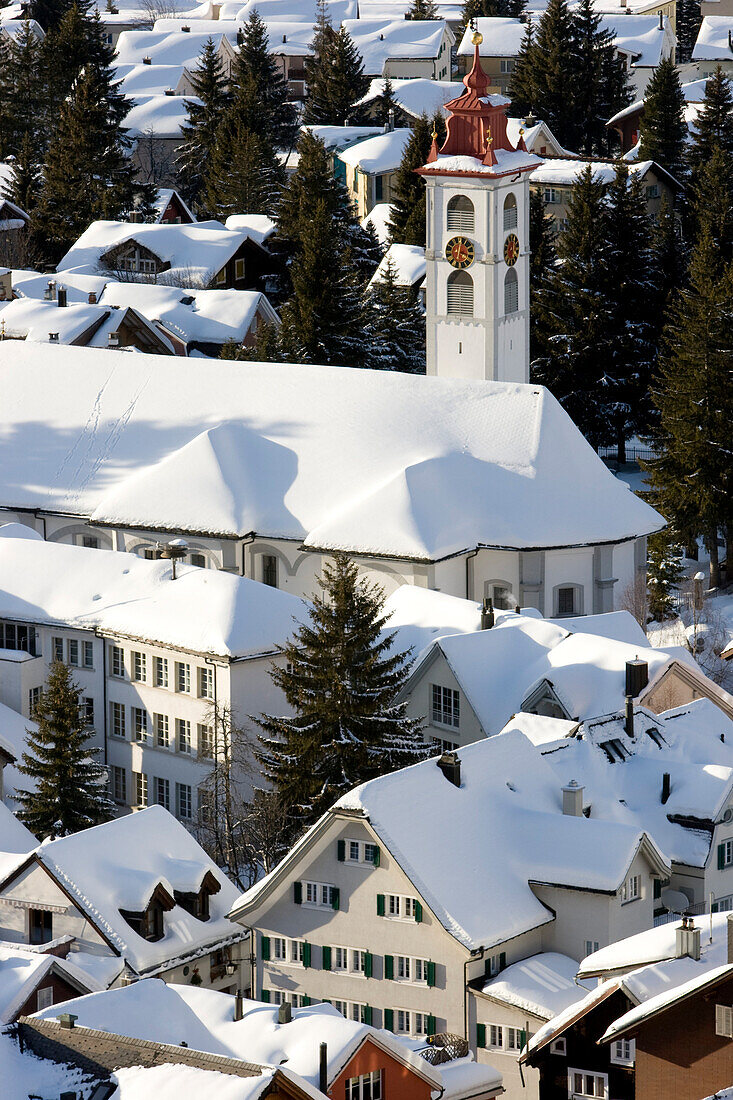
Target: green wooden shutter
(389, 967)
(657, 888)
(326, 958)
(389, 1019)
(298, 893)
(306, 1001)
(368, 1015)
(375, 858)
(721, 856)
(481, 1035)
(368, 964)
(265, 947)
(522, 1039)
(432, 1025)
(306, 954)
(265, 996)
(418, 911)
(341, 850)
(380, 905)
(335, 897)
(487, 967)
(431, 973)
(502, 960)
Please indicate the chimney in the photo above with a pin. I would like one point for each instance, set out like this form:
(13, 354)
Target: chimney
(285, 1013)
(92, 298)
(174, 551)
(629, 720)
(135, 216)
(487, 614)
(53, 337)
(688, 939)
(666, 788)
(50, 292)
(730, 40)
(147, 61)
(730, 937)
(572, 799)
(323, 1069)
(67, 1020)
(623, 3)
(186, 30)
(113, 340)
(450, 765)
(169, 91)
(238, 1006)
(61, 296)
(285, 38)
(661, 20)
(637, 677)
(390, 116)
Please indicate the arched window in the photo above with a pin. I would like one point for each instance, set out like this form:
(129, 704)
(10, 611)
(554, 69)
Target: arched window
(461, 214)
(500, 594)
(460, 293)
(510, 212)
(511, 291)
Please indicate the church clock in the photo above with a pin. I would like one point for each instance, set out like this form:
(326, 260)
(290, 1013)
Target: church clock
(511, 250)
(459, 252)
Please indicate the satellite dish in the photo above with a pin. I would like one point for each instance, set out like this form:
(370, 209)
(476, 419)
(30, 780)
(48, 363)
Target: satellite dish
(674, 901)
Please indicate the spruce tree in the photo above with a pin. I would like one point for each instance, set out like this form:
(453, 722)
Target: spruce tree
(687, 28)
(712, 201)
(336, 80)
(522, 84)
(395, 332)
(244, 175)
(545, 74)
(260, 92)
(385, 103)
(601, 79)
(407, 224)
(663, 130)
(542, 238)
(204, 119)
(692, 475)
(70, 789)
(714, 122)
(422, 9)
(24, 181)
(477, 9)
(670, 258)
(78, 41)
(25, 75)
(664, 573)
(341, 678)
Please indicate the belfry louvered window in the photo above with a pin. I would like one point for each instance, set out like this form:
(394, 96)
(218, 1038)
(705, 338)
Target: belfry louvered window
(460, 294)
(511, 292)
(510, 212)
(461, 214)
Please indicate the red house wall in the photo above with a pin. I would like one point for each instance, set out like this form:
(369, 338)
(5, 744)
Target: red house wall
(399, 1081)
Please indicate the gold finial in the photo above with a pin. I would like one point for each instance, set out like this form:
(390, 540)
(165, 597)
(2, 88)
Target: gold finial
(477, 38)
(434, 134)
(521, 131)
(489, 140)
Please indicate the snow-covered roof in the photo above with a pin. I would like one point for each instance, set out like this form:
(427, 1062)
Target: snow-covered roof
(204, 316)
(33, 284)
(713, 39)
(15, 840)
(22, 970)
(666, 999)
(640, 36)
(35, 319)
(203, 610)
(145, 80)
(163, 198)
(420, 616)
(450, 10)
(149, 848)
(684, 744)
(408, 261)
(560, 171)
(377, 41)
(336, 138)
(301, 11)
(258, 227)
(378, 154)
(502, 37)
(14, 28)
(693, 91)
(194, 252)
(273, 448)
(417, 96)
(507, 160)
(164, 47)
(23, 1074)
(180, 1082)
(542, 985)
(159, 116)
(532, 134)
(655, 946)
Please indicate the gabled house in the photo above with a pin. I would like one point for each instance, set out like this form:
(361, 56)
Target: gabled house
(170, 209)
(416, 884)
(81, 325)
(370, 168)
(408, 263)
(34, 977)
(165, 45)
(154, 125)
(403, 48)
(556, 178)
(413, 97)
(157, 907)
(713, 45)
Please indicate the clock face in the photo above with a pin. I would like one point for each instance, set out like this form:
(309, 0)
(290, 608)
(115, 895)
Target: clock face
(459, 252)
(511, 250)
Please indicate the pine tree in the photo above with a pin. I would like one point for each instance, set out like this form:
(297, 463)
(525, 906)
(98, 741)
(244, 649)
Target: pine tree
(712, 201)
(260, 91)
(385, 103)
(692, 476)
(70, 789)
(407, 224)
(48, 13)
(204, 119)
(601, 79)
(24, 182)
(422, 9)
(714, 122)
(522, 86)
(664, 573)
(663, 130)
(25, 77)
(88, 174)
(687, 27)
(336, 81)
(578, 309)
(267, 347)
(477, 9)
(545, 73)
(78, 41)
(395, 331)
(670, 259)
(244, 175)
(542, 238)
(341, 678)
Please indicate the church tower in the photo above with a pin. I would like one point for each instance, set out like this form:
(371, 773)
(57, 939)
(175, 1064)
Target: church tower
(477, 226)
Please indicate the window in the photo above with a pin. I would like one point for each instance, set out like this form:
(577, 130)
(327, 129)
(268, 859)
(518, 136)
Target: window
(559, 1046)
(239, 269)
(399, 907)
(354, 1010)
(34, 697)
(583, 1085)
(44, 997)
(461, 214)
(409, 969)
(183, 676)
(140, 723)
(511, 291)
(320, 895)
(494, 964)
(160, 724)
(379, 189)
(117, 660)
(510, 212)
(623, 1052)
(221, 277)
(198, 560)
(206, 683)
(507, 64)
(500, 594)
(296, 952)
(460, 294)
(73, 651)
(205, 741)
(723, 1021)
(403, 1022)
(591, 946)
(441, 745)
(357, 962)
(40, 926)
(163, 793)
(725, 854)
(88, 654)
(87, 710)
(139, 666)
(269, 570)
(514, 1037)
(340, 958)
(160, 672)
(118, 719)
(551, 195)
(183, 801)
(446, 706)
(18, 636)
(652, 191)
(631, 889)
(140, 781)
(57, 648)
(566, 600)
(366, 1087)
(358, 851)
(279, 948)
(183, 735)
(119, 784)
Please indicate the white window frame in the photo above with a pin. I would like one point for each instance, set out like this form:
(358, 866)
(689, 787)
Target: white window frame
(623, 1052)
(340, 959)
(279, 949)
(574, 1095)
(161, 728)
(591, 946)
(559, 1046)
(357, 962)
(408, 967)
(445, 707)
(140, 782)
(206, 682)
(295, 953)
(356, 1088)
(44, 997)
(727, 852)
(163, 787)
(183, 677)
(140, 724)
(139, 666)
(399, 907)
(160, 672)
(117, 662)
(724, 1021)
(361, 847)
(73, 652)
(321, 895)
(631, 889)
(87, 649)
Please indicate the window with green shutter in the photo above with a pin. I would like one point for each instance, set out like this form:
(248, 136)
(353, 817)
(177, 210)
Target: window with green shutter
(375, 855)
(298, 893)
(389, 967)
(326, 957)
(368, 964)
(306, 1000)
(432, 1025)
(306, 954)
(265, 996)
(335, 897)
(341, 846)
(367, 1013)
(481, 1035)
(721, 856)
(418, 911)
(265, 947)
(389, 1019)
(380, 905)
(431, 973)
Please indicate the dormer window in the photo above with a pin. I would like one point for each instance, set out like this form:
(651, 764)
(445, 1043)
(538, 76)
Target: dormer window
(197, 902)
(149, 922)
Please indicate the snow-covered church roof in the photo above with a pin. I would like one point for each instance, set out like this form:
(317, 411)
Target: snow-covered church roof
(338, 458)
